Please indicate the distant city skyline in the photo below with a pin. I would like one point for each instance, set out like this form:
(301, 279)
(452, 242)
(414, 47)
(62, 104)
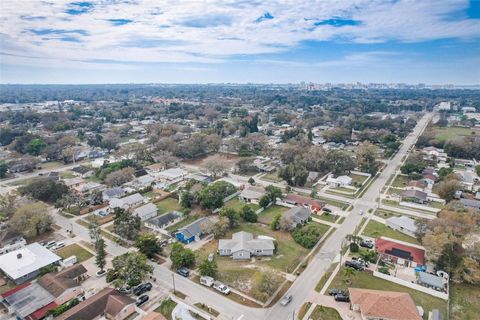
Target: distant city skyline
(90, 42)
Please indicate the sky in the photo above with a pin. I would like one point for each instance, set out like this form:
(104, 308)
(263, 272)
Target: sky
(243, 41)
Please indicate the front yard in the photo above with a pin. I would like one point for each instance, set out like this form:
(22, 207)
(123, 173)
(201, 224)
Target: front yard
(267, 215)
(366, 280)
(324, 313)
(74, 250)
(376, 229)
(359, 179)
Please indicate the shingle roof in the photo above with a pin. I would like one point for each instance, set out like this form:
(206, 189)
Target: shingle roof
(298, 214)
(165, 218)
(384, 304)
(244, 241)
(415, 194)
(193, 229)
(57, 283)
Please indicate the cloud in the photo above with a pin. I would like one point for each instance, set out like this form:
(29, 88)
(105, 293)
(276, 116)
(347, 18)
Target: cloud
(120, 22)
(265, 16)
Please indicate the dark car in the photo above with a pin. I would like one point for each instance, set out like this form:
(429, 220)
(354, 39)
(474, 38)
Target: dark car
(327, 210)
(341, 297)
(334, 291)
(367, 244)
(141, 300)
(183, 272)
(354, 264)
(142, 288)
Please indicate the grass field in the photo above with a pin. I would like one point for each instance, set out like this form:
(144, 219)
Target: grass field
(325, 277)
(386, 213)
(324, 313)
(366, 280)
(376, 229)
(166, 308)
(327, 217)
(267, 215)
(400, 181)
(236, 204)
(167, 205)
(335, 203)
(189, 219)
(74, 250)
(272, 176)
(443, 134)
(67, 175)
(464, 302)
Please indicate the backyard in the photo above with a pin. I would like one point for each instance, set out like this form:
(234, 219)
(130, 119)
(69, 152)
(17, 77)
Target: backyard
(366, 280)
(74, 250)
(267, 215)
(237, 205)
(376, 229)
(168, 205)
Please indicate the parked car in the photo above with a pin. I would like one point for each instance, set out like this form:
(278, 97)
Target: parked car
(217, 285)
(60, 245)
(50, 244)
(142, 288)
(334, 291)
(327, 210)
(184, 272)
(363, 262)
(286, 300)
(367, 244)
(207, 281)
(141, 300)
(341, 297)
(125, 290)
(100, 273)
(354, 264)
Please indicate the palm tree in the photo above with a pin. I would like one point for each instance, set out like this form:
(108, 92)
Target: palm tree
(348, 273)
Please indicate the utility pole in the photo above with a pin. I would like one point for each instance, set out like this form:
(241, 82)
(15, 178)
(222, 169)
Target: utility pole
(173, 280)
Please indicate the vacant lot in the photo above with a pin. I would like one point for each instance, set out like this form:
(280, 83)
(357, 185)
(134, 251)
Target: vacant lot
(236, 204)
(358, 178)
(325, 216)
(443, 134)
(400, 181)
(272, 176)
(376, 229)
(267, 215)
(74, 250)
(167, 205)
(366, 280)
(166, 308)
(464, 302)
(386, 213)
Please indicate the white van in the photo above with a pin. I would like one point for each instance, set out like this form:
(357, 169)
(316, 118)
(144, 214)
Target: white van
(207, 281)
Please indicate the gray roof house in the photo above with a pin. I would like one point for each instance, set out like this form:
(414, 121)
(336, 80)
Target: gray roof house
(127, 202)
(115, 192)
(415, 195)
(192, 232)
(298, 215)
(146, 212)
(164, 220)
(252, 194)
(402, 224)
(471, 203)
(243, 246)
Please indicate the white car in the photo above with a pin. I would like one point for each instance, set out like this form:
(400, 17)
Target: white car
(221, 287)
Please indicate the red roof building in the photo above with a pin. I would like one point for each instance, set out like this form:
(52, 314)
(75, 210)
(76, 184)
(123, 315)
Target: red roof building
(400, 249)
(312, 204)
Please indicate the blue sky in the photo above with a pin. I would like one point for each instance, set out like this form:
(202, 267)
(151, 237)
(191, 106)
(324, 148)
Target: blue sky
(176, 41)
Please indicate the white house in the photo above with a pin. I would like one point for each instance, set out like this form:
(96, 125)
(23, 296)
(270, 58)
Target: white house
(127, 202)
(252, 194)
(402, 224)
(10, 240)
(243, 246)
(340, 181)
(146, 212)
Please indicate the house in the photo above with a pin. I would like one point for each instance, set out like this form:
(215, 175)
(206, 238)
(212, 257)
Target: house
(307, 202)
(418, 185)
(108, 303)
(402, 224)
(146, 211)
(401, 252)
(155, 168)
(172, 176)
(297, 215)
(115, 192)
(312, 176)
(88, 187)
(142, 182)
(379, 304)
(163, 221)
(193, 231)
(467, 179)
(10, 240)
(73, 182)
(82, 171)
(25, 263)
(252, 194)
(243, 246)
(429, 178)
(32, 300)
(340, 181)
(432, 151)
(471, 203)
(414, 196)
(127, 202)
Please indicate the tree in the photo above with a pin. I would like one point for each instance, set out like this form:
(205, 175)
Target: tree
(248, 214)
(35, 146)
(220, 228)
(275, 224)
(94, 230)
(477, 169)
(447, 189)
(251, 181)
(119, 177)
(208, 268)
(186, 199)
(232, 216)
(32, 220)
(181, 256)
(273, 193)
(267, 286)
(147, 243)
(3, 169)
(295, 174)
(339, 162)
(131, 268)
(314, 192)
(44, 190)
(211, 196)
(100, 254)
(125, 224)
(338, 135)
(215, 167)
(264, 201)
(307, 236)
(365, 155)
(8, 204)
(347, 274)
(287, 223)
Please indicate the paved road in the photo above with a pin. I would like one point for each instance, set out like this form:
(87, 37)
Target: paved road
(305, 283)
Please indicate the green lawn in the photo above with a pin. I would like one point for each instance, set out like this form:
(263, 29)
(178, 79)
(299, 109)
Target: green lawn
(22, 182)
(324, 313)
(327, 217)
(168, 205)
(267, 215)
(443, 134)
(189, 219)
(335, 203)
(386, 213)
(272, 176)
(464, 302)
(357, 178)
(67, 175)
(166, 308)
(400, 181)
(237, 205)
(366, 280)
(74, 250)
(376, 229)
(325, 277)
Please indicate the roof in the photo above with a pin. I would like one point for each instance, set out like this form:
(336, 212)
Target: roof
(127, 201)
(415, 194)
(400, 249)
(193, 229)
(23, 261)
(8, 234)
(418, 184)
(57, 283)
(108, 300)
(252, 192)
(165, 218)
(113, 192)
(302, 200)
(430, 176)
(172, 173)
(384, 304)
(29, 299)
(404, 222)
(431, 279)
(17, 288)
(244, 241)
(471, 203)
(40, 313)
(145, 210)
(298, 214)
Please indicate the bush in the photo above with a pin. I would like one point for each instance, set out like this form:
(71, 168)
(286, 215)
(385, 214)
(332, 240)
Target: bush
(384, 270)
(307, 236)
(111, 275)
(354, 247)
(63, 307)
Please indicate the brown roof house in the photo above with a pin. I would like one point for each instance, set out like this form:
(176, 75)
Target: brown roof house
(109, 303)
(415, 196)
(378, 304)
